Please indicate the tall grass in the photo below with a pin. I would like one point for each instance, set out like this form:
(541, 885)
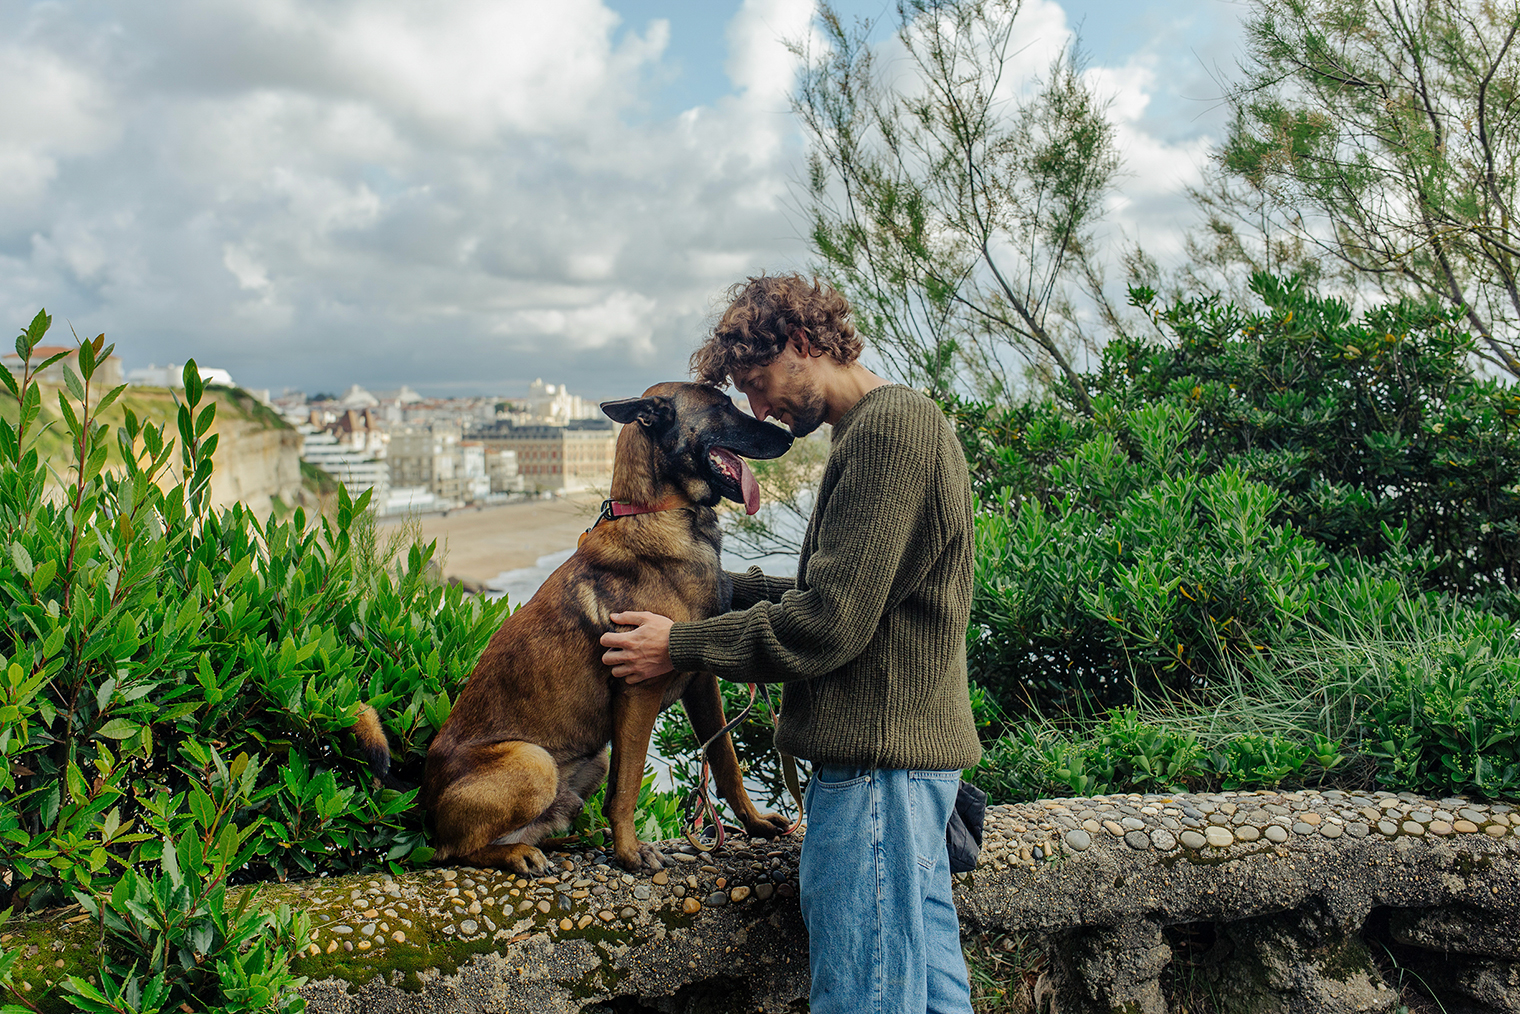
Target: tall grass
(1355, 700)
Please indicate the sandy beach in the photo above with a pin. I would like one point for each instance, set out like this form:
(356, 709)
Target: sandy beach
(482, 543)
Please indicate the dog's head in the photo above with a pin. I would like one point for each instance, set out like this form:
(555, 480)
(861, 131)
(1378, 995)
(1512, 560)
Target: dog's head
(698, 441)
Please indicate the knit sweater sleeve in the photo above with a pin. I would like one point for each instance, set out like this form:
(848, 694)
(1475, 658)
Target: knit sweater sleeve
(872, 519)
(754, 585)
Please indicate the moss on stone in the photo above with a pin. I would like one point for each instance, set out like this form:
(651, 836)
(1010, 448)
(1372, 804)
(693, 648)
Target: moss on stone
(48, 952)
(1468, 864)
(1345, 959)
(1218, 857)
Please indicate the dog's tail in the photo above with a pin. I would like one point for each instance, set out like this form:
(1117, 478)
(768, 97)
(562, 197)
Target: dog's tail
(372, 742)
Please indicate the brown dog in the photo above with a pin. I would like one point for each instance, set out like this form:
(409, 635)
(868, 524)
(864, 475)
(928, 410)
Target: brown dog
(527, 739)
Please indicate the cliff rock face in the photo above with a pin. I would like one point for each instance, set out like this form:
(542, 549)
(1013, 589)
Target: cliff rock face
(258, 454)
(257, 457)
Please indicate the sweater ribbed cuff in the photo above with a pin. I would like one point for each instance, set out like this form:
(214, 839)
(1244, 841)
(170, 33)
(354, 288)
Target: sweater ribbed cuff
(686, 647)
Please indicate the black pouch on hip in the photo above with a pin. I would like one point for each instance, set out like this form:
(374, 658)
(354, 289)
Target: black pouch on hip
(963, 835)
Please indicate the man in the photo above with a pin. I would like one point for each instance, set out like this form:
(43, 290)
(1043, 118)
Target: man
(869, 641)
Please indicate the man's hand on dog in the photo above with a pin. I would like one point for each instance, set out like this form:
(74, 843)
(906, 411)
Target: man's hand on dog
(641, 653)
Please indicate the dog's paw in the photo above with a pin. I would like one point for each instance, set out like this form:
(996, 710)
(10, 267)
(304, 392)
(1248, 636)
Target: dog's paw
(767, 825)
(646, 857)
(528, 861)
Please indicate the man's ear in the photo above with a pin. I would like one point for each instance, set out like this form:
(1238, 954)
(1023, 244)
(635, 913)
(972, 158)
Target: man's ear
(655, 413)
(798, 340)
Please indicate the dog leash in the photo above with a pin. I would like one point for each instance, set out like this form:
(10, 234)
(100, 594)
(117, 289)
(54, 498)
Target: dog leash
(699, 805)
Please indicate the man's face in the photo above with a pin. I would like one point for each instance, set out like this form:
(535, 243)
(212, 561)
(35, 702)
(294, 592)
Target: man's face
(785, 389)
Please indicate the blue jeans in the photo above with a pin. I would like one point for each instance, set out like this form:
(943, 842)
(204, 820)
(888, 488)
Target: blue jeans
(883, 937)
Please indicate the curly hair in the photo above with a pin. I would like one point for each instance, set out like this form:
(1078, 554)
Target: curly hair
(763, 313)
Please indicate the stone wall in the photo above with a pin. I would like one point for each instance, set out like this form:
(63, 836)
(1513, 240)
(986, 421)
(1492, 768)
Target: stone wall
(1266, 902)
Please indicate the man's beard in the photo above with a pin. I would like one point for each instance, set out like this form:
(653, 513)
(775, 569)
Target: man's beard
(808, 408)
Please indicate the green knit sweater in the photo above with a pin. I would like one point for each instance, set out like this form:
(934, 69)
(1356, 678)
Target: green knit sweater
(870, 639)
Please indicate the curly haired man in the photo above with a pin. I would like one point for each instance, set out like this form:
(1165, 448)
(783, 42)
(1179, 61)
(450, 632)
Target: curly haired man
(868, 640)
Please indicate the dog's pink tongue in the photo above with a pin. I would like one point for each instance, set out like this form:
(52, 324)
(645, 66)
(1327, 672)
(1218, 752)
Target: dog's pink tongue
(750, 487)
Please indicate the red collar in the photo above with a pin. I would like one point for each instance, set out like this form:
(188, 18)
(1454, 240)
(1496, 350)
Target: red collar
(614, 509)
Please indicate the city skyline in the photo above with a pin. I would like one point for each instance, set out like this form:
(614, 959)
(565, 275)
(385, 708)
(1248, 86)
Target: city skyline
(317, 195)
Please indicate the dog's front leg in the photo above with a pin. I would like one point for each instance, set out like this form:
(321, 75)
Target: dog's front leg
(704, 707)
(634, 711)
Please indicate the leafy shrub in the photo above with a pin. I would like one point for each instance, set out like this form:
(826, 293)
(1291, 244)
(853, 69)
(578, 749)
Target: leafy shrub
(175, 683)
(1192, 516)
(1140, 572)
(1131, 752)
(1452, 723)
(170, 935)
(1253, 760)
(1362, 427)
(658, 815)
(1262, 488)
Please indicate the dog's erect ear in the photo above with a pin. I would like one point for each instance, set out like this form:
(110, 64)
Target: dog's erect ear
(655, 413)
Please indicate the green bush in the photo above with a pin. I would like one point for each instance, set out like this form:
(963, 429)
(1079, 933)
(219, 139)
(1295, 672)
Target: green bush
(1141, 572)
(1451, 723)
(147, 637)
(1251, 491)
(1130, 752)
(175, 683)
(1362, 427)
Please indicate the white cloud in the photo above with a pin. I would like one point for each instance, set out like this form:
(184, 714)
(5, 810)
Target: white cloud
(49, 109)
(1149, 205)
(381, 191)
(620, 318)
(461, 195)
(760, 69)
(249, 273)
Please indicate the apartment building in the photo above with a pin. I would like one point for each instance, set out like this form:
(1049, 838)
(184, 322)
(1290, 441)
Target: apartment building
(435, 457)
(421, 452)
(502, 470)
(355, 469)
(563, 459)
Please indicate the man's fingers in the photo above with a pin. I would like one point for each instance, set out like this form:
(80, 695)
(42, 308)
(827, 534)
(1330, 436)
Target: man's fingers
(632, 617)
(615, 638)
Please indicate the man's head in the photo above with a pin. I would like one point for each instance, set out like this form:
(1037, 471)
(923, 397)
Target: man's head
(776, 342)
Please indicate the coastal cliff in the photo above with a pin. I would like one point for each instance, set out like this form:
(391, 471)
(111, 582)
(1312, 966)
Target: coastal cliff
(258, 454)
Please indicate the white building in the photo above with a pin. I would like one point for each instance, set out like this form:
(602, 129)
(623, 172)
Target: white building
(410, 500)
(355, 470)
(434, 457)
(552, 403)
(358, 397)
(501, 468)
(174, 376)
(474, 482)
(393, 404)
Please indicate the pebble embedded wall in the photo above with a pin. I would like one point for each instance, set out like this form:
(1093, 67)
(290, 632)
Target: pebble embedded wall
(1287, 888)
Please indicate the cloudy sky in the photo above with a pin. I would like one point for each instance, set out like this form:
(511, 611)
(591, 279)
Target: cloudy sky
(464, 195)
